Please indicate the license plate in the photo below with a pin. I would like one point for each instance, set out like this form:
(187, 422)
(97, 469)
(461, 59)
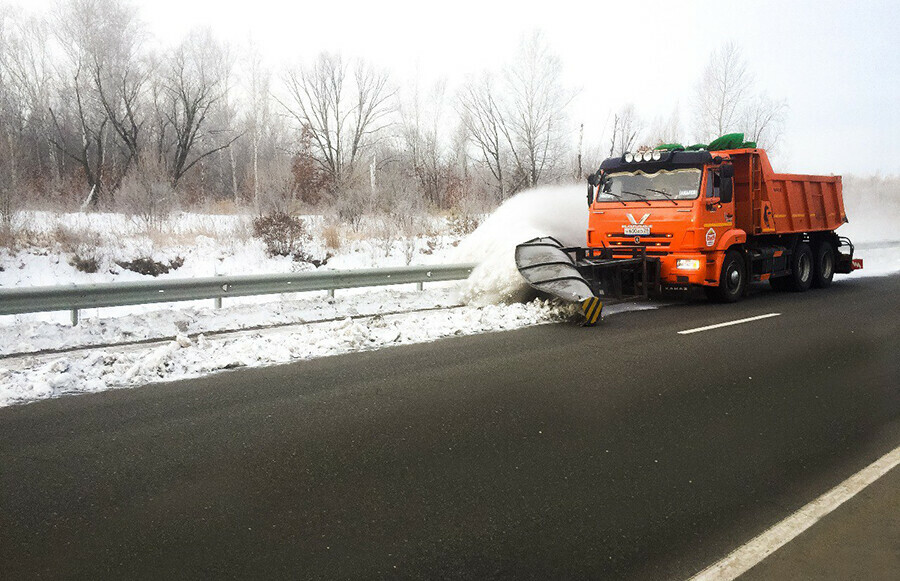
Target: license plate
(640, 230)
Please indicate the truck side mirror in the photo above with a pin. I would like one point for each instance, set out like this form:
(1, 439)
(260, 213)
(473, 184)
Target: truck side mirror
(725, 191)
(726, 188)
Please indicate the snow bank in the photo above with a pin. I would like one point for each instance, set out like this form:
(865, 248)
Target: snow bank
(33, 378)
(196, 317)
(209, 245)
(558, 211)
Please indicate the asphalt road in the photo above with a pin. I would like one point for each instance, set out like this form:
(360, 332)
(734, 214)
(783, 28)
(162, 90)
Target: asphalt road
(553, 452)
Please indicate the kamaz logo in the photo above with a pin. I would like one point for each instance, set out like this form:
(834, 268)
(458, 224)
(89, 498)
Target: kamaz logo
(643, 219)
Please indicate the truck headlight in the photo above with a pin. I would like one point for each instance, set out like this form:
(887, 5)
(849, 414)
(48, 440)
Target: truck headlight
(687, 264)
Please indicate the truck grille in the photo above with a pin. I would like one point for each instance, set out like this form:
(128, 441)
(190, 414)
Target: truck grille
(657, 244)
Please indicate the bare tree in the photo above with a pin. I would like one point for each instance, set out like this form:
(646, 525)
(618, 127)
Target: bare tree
(25, 92)
(666, 129)
(11, 119)
(104, 79)
(422, 122)
(764, 121)
(534, 121)
(625, 130)
(727, 103)
(721, 93)
(483, 120)
(193, 85)
(344, 106)
(258, 87)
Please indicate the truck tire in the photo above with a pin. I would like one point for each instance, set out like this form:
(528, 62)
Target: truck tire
(732, 280)
(802, 269)
(824, 262)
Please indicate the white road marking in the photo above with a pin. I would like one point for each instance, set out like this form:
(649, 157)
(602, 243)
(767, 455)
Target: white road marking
(760, 547)
(728, 324)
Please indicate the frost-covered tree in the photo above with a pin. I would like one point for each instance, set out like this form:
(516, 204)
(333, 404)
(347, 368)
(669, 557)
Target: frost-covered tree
(535, 119)
(194, 83)
(103, 78)
(721, 93)
(484, 122)
(345, 107)
(626, 127)
(423, 124)
(727, 103)
(517, 122)
(666, 129)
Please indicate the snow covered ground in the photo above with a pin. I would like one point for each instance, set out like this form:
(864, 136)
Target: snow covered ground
(130, 346)
(135, 345)
(31, 378)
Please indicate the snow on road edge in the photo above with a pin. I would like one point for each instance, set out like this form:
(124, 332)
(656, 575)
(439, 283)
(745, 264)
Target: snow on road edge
(35, 378)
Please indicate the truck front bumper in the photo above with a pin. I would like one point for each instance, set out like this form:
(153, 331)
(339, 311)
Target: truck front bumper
(675, 278)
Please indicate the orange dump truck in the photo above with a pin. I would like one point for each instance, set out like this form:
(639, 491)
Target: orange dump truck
(670, 219)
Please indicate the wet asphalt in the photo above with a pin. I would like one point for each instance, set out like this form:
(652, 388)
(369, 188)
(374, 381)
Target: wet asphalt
(624, 451)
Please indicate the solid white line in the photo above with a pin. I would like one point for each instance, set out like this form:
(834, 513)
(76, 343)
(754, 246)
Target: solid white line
(745, 557)
(728, 324)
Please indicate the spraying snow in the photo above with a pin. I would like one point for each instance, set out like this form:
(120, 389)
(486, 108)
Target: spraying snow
(557, 211)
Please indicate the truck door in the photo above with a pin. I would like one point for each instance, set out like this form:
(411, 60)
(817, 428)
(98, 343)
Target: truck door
(718, 214)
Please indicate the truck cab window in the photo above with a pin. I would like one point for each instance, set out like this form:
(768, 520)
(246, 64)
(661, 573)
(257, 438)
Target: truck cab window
(713, 183)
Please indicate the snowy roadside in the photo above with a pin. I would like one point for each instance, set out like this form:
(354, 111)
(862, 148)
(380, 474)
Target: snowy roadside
(195, 317)
(31, 378)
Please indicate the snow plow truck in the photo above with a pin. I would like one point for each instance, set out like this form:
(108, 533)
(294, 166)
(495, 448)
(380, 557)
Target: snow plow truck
(713, 216)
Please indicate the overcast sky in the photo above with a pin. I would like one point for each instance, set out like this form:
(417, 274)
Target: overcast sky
(835, 63)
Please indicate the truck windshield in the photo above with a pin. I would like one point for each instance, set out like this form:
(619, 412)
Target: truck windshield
(679, 184)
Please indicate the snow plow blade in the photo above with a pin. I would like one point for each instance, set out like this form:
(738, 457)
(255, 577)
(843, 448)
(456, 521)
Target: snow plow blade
(547, 267)
(584, 275)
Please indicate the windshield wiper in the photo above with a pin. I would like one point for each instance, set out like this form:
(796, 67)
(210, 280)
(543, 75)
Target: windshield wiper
(666, 194)
(616, 197)
(643, 198)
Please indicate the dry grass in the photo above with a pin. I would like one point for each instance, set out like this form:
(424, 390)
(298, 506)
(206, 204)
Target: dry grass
(331, 234)
(226, 207)
(7, 237)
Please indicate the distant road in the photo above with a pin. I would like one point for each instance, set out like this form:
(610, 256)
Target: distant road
(626, 451)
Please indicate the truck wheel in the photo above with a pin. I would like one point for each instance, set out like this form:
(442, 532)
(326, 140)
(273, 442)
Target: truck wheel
(802, 268)
(732, 281)
(824, 265)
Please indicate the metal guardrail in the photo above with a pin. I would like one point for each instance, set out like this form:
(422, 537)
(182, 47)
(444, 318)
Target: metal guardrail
(15, 301)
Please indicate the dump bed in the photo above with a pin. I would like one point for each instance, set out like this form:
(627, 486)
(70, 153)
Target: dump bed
(770, 203)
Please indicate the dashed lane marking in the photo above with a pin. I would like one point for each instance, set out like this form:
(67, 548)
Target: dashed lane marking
(728, 324)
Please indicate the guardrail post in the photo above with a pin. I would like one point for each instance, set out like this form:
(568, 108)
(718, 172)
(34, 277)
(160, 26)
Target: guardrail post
(74, 314)
(420, 285)
(217, 302)
(331, 293)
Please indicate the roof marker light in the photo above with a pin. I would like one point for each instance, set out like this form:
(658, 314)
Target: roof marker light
(629, 158)
(657, 155)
